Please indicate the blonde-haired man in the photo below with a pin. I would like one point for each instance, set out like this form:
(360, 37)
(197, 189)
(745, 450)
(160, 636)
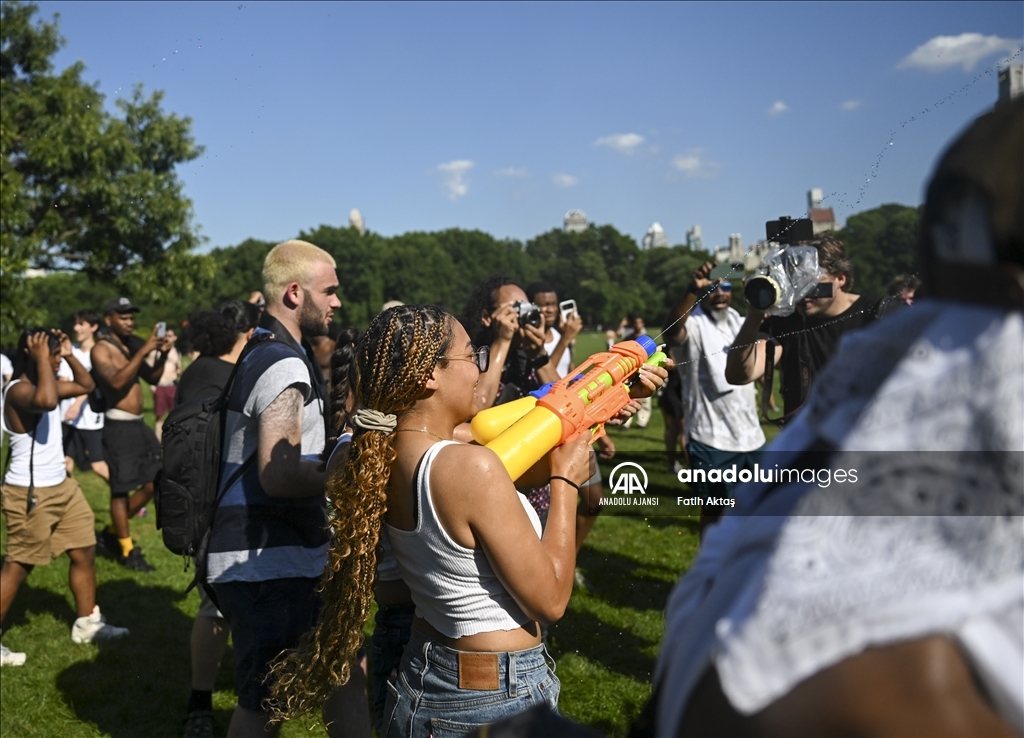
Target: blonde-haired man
(268, 545)
(292, 262)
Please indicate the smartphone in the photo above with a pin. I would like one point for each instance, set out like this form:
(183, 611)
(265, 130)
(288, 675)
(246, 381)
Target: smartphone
(566, 308)
(726, 270)
(161, 329)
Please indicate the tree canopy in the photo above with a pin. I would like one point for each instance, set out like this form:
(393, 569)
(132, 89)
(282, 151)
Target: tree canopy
(881, 243)
(82, 189)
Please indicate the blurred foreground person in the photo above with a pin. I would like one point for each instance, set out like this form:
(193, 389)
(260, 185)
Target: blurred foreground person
(45, 510)
(894, 606)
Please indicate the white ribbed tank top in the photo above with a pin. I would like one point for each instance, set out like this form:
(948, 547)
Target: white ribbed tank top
(454, 588)
(48, 457)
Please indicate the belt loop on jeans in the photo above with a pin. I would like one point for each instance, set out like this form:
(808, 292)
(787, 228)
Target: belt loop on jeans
(512, 673)
(426, 657)
(548, 658)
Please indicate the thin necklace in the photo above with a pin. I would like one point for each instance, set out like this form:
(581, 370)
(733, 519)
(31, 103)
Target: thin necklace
(420, 430)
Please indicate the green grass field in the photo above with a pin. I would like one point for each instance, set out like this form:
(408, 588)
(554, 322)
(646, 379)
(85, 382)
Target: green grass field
(605, 646)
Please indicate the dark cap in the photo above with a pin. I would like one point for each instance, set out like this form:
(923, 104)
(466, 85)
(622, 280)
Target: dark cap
(119, 305)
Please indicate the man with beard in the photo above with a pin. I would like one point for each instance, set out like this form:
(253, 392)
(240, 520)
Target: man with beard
(268, 544)
(721, 419)
(129, 445)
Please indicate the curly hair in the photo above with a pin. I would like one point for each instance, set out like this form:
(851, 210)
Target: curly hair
(395, 358)
(483, 300)
(210, 333)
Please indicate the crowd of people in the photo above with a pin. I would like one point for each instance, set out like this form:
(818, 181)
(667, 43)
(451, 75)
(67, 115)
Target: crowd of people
(350, 476)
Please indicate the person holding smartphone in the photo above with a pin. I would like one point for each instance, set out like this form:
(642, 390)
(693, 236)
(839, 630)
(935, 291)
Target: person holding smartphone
(560, 330)
(129, 445)
(559, 343)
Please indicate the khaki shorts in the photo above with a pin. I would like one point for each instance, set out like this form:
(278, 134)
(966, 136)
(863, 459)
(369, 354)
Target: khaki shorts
(61, 520)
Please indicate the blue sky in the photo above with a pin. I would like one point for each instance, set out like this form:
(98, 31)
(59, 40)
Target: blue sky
(504, 116)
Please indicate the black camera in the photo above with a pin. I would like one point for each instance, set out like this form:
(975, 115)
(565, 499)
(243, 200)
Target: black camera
(787, 273)
(528, 313)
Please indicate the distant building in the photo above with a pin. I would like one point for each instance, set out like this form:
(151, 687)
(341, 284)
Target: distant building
(734, 253)
(1011, 82)
(731, 253)
(822, 219)
(694, 240)
(355, 220)
(654, 238)
(755, 254)
(575, 221)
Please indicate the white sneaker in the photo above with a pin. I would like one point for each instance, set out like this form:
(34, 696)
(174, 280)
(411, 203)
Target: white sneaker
(10, 658)
(93, 628)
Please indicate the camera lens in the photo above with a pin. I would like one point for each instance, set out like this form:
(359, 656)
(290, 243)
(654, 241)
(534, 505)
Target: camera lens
(760, 293)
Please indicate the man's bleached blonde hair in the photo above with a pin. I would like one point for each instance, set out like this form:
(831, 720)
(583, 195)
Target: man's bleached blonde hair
(291, 261)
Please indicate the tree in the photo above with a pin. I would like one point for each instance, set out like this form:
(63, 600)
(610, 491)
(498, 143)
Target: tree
(600, 268)
(881, 243)
(83, 190)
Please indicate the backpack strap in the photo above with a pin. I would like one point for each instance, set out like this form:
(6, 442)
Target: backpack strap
(106, 337)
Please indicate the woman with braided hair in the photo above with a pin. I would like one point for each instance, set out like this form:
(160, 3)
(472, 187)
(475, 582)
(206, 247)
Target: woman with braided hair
(468, 545)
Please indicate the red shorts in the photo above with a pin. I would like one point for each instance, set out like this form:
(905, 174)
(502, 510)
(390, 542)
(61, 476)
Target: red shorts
(163, 399)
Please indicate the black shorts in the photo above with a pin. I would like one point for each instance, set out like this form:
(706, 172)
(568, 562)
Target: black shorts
(671, 399)
(84, 446)
(266, 618)
(133, 453)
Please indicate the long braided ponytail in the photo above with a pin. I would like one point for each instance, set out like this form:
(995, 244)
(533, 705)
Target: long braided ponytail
(396, 356)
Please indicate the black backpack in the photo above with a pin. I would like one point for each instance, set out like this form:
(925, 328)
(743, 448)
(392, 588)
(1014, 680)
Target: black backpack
(186, 490)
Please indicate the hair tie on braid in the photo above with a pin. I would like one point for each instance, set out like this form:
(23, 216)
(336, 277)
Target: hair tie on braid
(368, 419)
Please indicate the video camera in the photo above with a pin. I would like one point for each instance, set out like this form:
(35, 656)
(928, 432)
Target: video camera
(787, 273)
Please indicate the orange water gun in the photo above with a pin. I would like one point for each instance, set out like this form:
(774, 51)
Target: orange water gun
(523, 431)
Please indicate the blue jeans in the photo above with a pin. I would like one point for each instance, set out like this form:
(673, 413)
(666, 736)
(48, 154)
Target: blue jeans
(426, 699)
(391, 631)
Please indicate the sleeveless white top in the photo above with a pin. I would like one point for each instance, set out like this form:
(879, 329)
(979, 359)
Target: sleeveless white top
(87, 418)
(48, 457)
(565, 360)
(454, 587)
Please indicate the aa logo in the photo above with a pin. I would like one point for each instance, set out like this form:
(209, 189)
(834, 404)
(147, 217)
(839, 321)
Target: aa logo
(624, 479)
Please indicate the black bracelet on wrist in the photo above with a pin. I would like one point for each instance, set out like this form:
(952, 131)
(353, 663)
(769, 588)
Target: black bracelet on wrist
(567, 481)
(539, 360)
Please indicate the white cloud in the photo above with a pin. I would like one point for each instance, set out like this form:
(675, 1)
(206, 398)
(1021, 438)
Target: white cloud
(693, 164)
(453, 177)
(564, 181)
(966, 50)
(850, 105)
(778, 107)
(512, 172)
(624, 143)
